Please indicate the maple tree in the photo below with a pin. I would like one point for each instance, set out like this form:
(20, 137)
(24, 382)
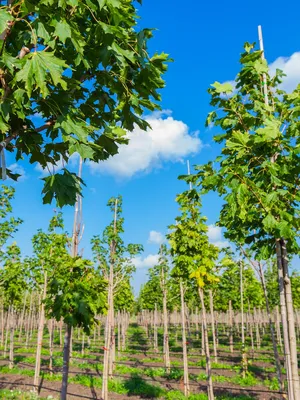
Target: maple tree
(257, 175)
(74, 77)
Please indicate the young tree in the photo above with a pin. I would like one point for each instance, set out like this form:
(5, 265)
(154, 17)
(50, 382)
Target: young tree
(114, 261)
(48, 247)
(84, 68)
(8, 224)
(76, 294)
(13, 282)
(257, 174)
(229, 287)
(193, 257)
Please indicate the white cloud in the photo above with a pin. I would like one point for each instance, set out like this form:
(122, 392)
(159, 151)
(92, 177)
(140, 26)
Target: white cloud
(146, 262)
(18, 169)
(214, 233)
(52, 169)
(291, 67)
(168, 140)
(215, 236)
(156, 237)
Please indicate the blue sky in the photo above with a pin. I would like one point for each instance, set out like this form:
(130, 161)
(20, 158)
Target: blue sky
(205, 40)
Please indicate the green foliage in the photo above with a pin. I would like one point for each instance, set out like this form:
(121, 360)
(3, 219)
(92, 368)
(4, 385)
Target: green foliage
(8, 224)
(48, 248)
(84, 68)
(229, 288)
(76, 293)
(18, 395)
(151, 293)
(13, 276)
(271, 277)
(257, 172)
(110, 249)
(193, 255)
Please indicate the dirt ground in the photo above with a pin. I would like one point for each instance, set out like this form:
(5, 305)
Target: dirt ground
(77, 391)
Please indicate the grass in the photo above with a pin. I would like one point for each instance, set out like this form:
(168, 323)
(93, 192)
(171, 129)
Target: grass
(18, 395)
(249, 380)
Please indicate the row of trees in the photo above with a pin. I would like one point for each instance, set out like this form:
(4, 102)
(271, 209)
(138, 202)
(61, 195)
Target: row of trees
(257, 176)
(227, 289)
(68, 287)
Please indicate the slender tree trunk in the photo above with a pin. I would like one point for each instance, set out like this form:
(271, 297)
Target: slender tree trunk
(51, 331)
(155, 339)
(242, 321)
(6, 331)
(11, 344)
(60, 333)
(2, 323)
(275, 350)
(106, 356)
(82, 344)
(40, 335)
(210, 390)
(211, 303)
(29, 320)
(230, 328)
(184, 348)
(166, 332)
(22, 317)
(119, 332)
(278, 329)
(66, 361)
(291, 320)
(284, 323)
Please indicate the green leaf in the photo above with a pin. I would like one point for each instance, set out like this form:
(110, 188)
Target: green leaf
(269, 222)
(38, 69)
(63, 30)
(238, 140)
(223, 87)
(285, 229)
(63, 187)
(269, 132)
(5, 17)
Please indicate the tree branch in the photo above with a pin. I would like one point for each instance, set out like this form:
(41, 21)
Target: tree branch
(14, 135)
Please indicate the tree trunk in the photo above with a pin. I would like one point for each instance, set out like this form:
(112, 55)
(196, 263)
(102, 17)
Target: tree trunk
(184, 348)
(40, 336)
(244, 359)
(29, 319)
(106, 356)
(166, 332)
(51, 346)
(155, 339)
(211, 303)
(66, 361)
(11, 343)
(210, 390)
(276, 355)
(283, 312)
(230, 328)
(22, 317)
(291, 321)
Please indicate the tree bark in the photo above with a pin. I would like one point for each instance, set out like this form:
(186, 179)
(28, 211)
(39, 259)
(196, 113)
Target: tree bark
(283, 312)
(40, 335)
(210, 390)
(230, 328)
(275, 350)
(184, 348)
(66, 361)
(11, 343)
(211, 303)
(291, 320)
(166, 332)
